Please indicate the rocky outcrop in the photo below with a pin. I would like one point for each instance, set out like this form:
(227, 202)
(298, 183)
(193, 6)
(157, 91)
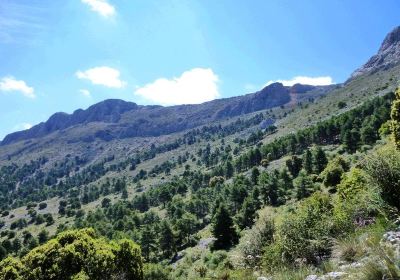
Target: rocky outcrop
(108, 111)
(118, 119)
(387, 56)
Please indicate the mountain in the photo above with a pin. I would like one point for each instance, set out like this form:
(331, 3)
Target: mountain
(180, 180)
(119, 119)
(388, 55)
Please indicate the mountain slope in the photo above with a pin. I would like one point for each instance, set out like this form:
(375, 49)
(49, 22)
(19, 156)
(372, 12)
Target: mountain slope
(119, 119)
(388, 55)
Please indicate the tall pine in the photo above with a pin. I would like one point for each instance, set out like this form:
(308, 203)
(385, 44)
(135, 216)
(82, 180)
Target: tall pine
(307, 162)
(166, 239)
(223, 229)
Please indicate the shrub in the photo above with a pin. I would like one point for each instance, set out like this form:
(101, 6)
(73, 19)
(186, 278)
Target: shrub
(42, 205)
(356, 203)
(252, 244)
(78, 254)
(305, 233)
(333, 172)
(383, 167)
(155, 271)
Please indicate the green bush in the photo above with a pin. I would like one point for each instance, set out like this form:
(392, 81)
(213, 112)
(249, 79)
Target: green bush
(305, 233)
(383, 167)
(356, 201)
(333, 172)
(155, 271)
(253, 242)
(77, 254)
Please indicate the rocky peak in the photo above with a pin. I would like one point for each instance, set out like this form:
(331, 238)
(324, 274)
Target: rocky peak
(392, 39)
(108, 111)
(387, 56)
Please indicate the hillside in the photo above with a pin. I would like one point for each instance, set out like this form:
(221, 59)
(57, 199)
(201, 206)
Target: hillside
(226, 187)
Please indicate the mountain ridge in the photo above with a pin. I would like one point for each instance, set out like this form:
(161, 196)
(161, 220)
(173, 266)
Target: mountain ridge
(387, 56)
(132, 120)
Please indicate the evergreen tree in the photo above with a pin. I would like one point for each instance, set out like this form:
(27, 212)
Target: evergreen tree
(124, 194)
(148, 241)
(166, 239)
(269, 188)
(254, 175)
(228, 169)
(294, 165)
(368, 134)
(43, 236)
(304, 185)
(223, 229)
(319, 160)
(238, 193)
(247, 213)
(351, 140)
(308, 162)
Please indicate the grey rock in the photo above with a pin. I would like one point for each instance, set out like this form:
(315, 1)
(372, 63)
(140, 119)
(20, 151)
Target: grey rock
(388, 55)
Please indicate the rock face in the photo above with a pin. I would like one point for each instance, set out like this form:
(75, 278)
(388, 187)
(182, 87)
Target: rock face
(108, 111)
(118, 119)
(387, 56)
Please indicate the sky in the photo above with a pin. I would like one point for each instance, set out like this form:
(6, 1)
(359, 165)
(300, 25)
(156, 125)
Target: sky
(64, 55)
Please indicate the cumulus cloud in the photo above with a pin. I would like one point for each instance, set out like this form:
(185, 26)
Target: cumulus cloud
(105, 76)
(192, 87)
(315, 81)
(10, 84)
(85, 92)
(23, 126)
(102, 7)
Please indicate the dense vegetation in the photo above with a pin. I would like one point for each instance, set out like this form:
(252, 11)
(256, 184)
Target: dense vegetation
(279, 207)
(77, 255)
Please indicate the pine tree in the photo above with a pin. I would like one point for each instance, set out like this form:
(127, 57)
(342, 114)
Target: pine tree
(269, 188)
(368, 134)
(319, 160)
(307, 162)
(228, 169)
(351, 140)
(254, 175)
(294, 165)
(304, 185)
(395, 115)
(223, 229)
(166, 239)
(148, 241)
(247, 213)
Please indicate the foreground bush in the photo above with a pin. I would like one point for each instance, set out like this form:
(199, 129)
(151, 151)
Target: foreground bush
(77, 254)
(384, 170)
(305, 233)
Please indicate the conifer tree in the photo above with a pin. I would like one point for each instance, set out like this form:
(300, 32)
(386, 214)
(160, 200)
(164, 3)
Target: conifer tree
(223, 229)
(166, 239)
(254, 175)
(307, 162)
(319, 160)
(229, 169)
(247, 213)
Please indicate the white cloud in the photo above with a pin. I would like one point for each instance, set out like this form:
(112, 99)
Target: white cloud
(10, 84)
(22, 126)
(102, 7)
(315, 81)
(105, 76)
(192, 87)
(85, 92)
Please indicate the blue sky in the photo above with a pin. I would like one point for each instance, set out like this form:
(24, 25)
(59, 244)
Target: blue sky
(65, 55)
